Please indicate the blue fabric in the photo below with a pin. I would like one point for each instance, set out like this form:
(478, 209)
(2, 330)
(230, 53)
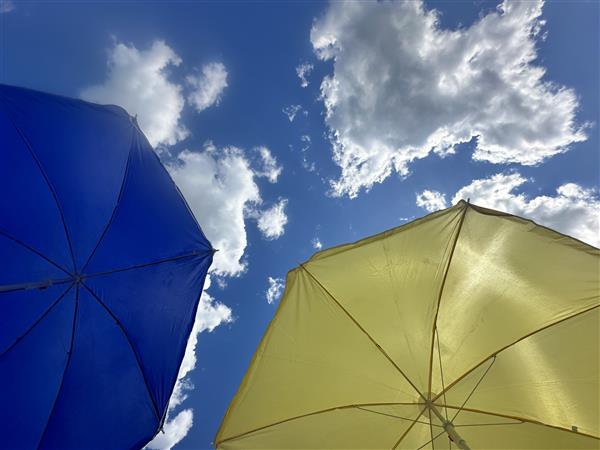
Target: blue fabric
(100, 278)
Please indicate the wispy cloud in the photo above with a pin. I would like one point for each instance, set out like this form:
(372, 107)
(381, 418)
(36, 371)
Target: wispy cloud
(208, 86)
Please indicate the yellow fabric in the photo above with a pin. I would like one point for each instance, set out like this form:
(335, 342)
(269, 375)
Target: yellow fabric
(353, 354)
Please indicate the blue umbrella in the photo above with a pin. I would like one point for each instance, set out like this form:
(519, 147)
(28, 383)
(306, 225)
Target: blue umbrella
(102, 266)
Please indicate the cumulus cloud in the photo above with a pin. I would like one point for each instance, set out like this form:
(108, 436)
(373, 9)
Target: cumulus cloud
(431, 200)
(137, 81)
(403, 87)
(271, 222)
(219, 186)
(574, 210)
(292, 111)
(316, 243)
(174, 431)
(269, 167)
(275, 289)
(303, 71)
(208, 86)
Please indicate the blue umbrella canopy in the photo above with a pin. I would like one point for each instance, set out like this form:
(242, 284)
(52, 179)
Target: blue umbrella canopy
(101, 273)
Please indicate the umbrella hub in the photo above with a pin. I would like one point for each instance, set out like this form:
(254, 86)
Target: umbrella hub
(78, 278)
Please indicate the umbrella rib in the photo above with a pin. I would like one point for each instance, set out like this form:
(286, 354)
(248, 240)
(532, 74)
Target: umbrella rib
(62, 380)
(472, 390)
(431, 441)
(114, 212)
(397, 417)
(302, 416)
(20, 338)
(439, 299)
(137, 358)
(383, 352)
(152, 263)
(33, 285)
(522, 419)
(461, 377)
(30, 248)
(49, 184)
(408, 429)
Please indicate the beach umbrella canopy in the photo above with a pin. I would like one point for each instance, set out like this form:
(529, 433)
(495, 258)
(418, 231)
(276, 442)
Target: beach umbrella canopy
(102, 265)
(468, 328)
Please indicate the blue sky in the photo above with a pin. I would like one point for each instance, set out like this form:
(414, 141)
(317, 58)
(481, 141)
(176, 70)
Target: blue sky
(209, 82)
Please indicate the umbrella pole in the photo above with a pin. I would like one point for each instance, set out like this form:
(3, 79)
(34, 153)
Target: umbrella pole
(449, 428)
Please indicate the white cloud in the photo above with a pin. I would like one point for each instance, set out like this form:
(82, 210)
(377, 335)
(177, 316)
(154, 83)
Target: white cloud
(270, 169)
(207, 87)
(275, 289)
(6, 6)
(137, 81)
(303, 71)
(316, 243)
(174, 431)
(292, 111)
(431, 200)
(219, 186)
(403, 87)
(271, 222)
(574, 210)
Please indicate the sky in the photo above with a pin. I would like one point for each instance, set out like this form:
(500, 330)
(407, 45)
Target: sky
(295, 126)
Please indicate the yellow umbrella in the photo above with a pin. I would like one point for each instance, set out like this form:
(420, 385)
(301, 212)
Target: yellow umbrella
(468, 328)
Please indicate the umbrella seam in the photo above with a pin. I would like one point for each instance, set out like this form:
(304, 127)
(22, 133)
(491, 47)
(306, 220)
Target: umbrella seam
(135, 354)
(70, 352)
(441, 292)
(461, 377)
(118, 202)
(381, 350)
(522, 419)
(20, 338)
(30, 248)
(48, 183)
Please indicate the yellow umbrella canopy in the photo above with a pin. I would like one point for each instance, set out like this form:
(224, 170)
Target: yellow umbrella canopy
(468, 328)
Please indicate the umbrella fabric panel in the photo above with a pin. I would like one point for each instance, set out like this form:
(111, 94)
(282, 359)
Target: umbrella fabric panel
(508, 278)
(103, 401)
(347, 428)
(549, 377)
(29, 212)
(16, 320)
(312, 358)
(509, 436)
(394, 286)
(31, 373)
(151, 221)
(25, 268)
(81, 149)
(154, 304)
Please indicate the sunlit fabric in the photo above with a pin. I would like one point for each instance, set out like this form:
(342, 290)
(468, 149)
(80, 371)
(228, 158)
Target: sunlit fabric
(101, 273)
(468, 328)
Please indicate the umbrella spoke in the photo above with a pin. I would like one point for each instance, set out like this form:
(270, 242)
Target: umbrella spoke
(152, 263)
(381, 350)
(521, 419)
(439, 299)
(397, 417)
(433, 438)
(50, 186)
(476, 366)
(30, 248)
(62, 380)
(475, 387)
(135, 353)
(114, 212)
(36, 322)
(441, 372)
